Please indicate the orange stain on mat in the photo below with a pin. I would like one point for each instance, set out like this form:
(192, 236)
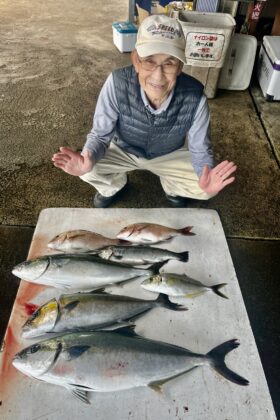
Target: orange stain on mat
(22, 308)
(12, 340)
(8, 373)
(39, 247)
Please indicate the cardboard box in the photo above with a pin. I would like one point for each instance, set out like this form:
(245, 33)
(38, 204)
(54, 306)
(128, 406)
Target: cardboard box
(269, 68)
(124, 36)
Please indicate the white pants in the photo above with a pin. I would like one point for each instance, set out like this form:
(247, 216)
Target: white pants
(175, 172)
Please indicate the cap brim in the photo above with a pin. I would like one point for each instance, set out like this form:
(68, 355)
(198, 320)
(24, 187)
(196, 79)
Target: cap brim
(151, 48)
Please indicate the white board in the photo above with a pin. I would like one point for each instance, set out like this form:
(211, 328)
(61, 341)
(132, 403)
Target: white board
(210, 320)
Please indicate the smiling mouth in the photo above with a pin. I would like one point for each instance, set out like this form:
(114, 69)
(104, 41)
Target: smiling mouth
(156, 86)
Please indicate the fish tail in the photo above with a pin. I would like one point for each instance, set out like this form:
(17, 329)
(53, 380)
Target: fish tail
(166, 303)
(216, 289)
(186, 230)
(184, 256)
(154, 268)
(217, 356)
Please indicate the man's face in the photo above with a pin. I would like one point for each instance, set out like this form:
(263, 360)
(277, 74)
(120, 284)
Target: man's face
(157, 74)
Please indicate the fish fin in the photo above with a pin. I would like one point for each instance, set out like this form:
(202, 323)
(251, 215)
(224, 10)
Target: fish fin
(81, 395)
(184, 256)
(157, 385)
(166, 303)
(116, 326)
(216, 289)
(194, 294)
(217, 356)
(71, 305)
(128, 331)
(132, 319)
(121, 283)
(186, 230)
(101, 290)
(76, 351)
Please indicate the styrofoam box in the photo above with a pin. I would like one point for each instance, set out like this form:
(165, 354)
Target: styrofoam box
(269, 68)
(239, 62)
(124, 36)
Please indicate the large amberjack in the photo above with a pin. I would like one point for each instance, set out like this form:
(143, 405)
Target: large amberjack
(113, 361)
(89, 311)
(79, 271)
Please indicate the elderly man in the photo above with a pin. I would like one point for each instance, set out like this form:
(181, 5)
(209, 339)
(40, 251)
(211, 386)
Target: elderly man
(151, 116)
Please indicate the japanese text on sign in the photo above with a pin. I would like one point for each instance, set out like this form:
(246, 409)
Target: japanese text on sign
(204, 46)
(255, 14)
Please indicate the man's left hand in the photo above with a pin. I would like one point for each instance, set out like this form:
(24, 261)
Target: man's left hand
(214, 180)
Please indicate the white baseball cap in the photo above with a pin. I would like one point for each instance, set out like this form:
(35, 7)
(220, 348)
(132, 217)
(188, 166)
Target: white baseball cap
(161, 34)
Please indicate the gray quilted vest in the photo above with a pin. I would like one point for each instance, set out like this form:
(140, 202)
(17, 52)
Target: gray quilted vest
(144, 134)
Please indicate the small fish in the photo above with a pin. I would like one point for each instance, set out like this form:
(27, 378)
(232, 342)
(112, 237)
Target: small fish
(140, 255)
(151, 233)
(108, 361)
(179, 285)
(79, 271)
(89, 311)
(81, 241)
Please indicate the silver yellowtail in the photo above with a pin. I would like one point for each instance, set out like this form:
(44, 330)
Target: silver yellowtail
(81, 311)
(179, 285)
(113, 361)
(78, 271)
(140, 255)
(81, 241)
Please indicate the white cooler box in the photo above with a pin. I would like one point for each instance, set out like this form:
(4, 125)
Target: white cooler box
(124, 36)
(269, 68)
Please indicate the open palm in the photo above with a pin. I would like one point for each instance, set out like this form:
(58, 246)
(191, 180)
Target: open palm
(73, 163)
(214, 180)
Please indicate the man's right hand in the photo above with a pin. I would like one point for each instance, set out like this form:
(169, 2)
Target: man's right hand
(73, 163)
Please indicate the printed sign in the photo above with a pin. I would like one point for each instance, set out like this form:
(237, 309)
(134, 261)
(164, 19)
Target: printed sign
(204, 46)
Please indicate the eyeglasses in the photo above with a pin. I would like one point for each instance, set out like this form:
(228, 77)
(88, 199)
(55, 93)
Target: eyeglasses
(167, 68)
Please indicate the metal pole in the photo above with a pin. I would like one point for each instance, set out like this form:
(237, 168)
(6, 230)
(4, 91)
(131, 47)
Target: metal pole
(131, 8)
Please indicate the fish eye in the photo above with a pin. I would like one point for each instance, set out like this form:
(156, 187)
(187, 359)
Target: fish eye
(34, 348)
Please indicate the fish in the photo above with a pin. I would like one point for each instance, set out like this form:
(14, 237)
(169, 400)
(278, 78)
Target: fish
(151, 233)
(179, 285)
(79, 271)
(81, 241)
(81, 311)
(108, 361)
(140, 255)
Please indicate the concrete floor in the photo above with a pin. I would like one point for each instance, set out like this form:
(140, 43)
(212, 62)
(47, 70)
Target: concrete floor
(53, 62)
